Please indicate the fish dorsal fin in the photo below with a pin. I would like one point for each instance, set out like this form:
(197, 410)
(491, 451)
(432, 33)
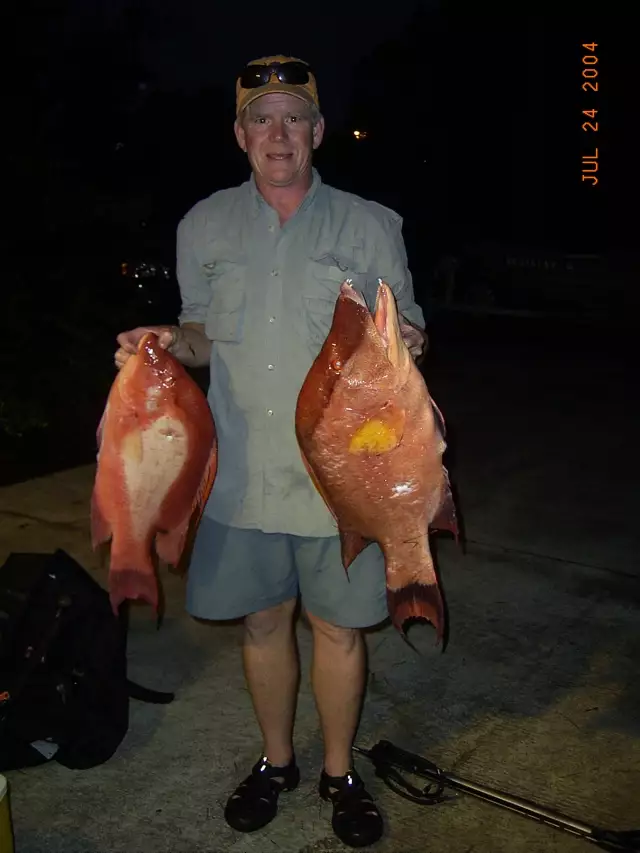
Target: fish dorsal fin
(439, 419)
(185, 547)
(446, 517)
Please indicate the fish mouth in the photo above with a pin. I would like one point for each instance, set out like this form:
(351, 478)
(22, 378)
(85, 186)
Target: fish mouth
(148, 348)
(387, 324)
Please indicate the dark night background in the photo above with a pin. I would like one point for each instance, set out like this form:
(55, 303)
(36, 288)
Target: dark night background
(118, 117)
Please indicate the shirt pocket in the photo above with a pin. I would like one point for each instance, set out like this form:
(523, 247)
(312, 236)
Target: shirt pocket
(226, 274)
(321, 289)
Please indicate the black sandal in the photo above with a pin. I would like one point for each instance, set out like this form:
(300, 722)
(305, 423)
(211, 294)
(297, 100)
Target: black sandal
(254, 803)
(356, 820)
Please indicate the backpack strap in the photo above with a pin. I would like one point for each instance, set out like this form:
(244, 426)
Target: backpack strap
(146, 694)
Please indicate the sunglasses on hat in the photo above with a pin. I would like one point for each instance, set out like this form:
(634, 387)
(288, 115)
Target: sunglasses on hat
(290, 73)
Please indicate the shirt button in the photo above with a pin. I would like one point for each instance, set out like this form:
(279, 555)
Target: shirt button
(269, 412)
(270, 367)
(272, 319)
(275, 272)
(271, 228)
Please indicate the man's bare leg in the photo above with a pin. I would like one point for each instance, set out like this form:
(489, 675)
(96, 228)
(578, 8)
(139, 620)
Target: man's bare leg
(338, 676)
(272, 671)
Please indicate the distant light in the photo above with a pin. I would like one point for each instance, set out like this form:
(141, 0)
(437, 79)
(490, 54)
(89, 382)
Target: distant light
(360, 134)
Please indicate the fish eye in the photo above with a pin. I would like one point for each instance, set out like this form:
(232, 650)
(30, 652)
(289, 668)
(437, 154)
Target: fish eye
(336, 365)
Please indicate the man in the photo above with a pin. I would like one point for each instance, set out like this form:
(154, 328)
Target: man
(259, 268)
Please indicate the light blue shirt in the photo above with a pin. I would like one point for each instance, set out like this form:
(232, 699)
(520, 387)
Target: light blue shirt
(266, 295)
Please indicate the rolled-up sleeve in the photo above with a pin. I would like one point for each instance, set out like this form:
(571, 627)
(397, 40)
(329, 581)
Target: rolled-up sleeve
(195, 293)
(392, 266)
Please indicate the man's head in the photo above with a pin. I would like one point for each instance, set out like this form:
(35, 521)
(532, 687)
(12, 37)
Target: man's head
(278, 121)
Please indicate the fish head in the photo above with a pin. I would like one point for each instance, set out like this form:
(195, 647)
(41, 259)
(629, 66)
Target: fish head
(151, 373)
(376, 357)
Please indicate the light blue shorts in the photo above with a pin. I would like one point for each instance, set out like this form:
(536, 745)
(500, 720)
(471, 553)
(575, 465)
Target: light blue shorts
(235, 572)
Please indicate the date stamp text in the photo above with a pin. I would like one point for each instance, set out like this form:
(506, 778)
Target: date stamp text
(590, 84)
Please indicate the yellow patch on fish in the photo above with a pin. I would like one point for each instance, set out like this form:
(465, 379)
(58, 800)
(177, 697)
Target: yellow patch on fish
(375, 436)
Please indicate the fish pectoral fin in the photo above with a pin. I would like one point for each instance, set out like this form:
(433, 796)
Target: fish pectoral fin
(352, 544)
(381, 433)
(446, 517)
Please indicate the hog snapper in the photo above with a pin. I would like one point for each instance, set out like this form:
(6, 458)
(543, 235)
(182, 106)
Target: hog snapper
(157, 462)
(372, 440)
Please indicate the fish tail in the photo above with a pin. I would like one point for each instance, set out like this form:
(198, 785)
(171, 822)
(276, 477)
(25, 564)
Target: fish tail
(132, 576)
(417, 602)
(413, 593)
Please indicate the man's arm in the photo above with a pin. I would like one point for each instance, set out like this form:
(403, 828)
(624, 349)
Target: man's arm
(190, 344)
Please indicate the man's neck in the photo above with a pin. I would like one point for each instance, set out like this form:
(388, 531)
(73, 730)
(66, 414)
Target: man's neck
(285, 200)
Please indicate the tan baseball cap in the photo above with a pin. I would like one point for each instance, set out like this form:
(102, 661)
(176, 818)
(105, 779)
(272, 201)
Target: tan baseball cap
(275, 82)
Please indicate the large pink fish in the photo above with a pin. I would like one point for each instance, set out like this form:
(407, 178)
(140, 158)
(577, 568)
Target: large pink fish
(372, 440)
(157, 462)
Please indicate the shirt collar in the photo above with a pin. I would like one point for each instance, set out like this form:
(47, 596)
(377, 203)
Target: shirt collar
(257, 202)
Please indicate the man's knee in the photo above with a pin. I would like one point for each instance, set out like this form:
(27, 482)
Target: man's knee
(344, 639)
(263, 624)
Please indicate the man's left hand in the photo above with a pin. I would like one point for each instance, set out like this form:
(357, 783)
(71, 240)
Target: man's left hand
(415, 338)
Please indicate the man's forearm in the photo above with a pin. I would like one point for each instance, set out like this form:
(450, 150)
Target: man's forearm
(190, 345)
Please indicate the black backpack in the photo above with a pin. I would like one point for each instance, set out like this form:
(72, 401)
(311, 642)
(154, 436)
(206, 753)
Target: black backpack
(64, 691)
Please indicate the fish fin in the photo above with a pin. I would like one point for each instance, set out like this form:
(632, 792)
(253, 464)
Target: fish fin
(132, 576)
(173, 546)
(446, 517)
(100, 528)
(380, 433)
(412, 586)
(439, 419)
(206, 484)
(316, 483)
(100, 429)
(352, 544)
(170, 543)
(417, 601)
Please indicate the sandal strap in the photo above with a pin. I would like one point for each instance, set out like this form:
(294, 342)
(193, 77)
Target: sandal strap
(356, 819)
(254, 803)
(265, 781)
(337, 788)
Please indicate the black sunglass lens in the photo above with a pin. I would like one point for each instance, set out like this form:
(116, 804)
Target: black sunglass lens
(257, 75)
(292, 73)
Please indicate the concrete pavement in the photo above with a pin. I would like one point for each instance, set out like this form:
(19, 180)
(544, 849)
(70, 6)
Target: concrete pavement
(537, 692)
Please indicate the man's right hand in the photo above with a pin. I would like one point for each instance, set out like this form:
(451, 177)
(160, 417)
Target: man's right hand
(130, 340)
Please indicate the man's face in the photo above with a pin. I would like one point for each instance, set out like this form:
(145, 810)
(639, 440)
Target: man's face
(278, 135)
